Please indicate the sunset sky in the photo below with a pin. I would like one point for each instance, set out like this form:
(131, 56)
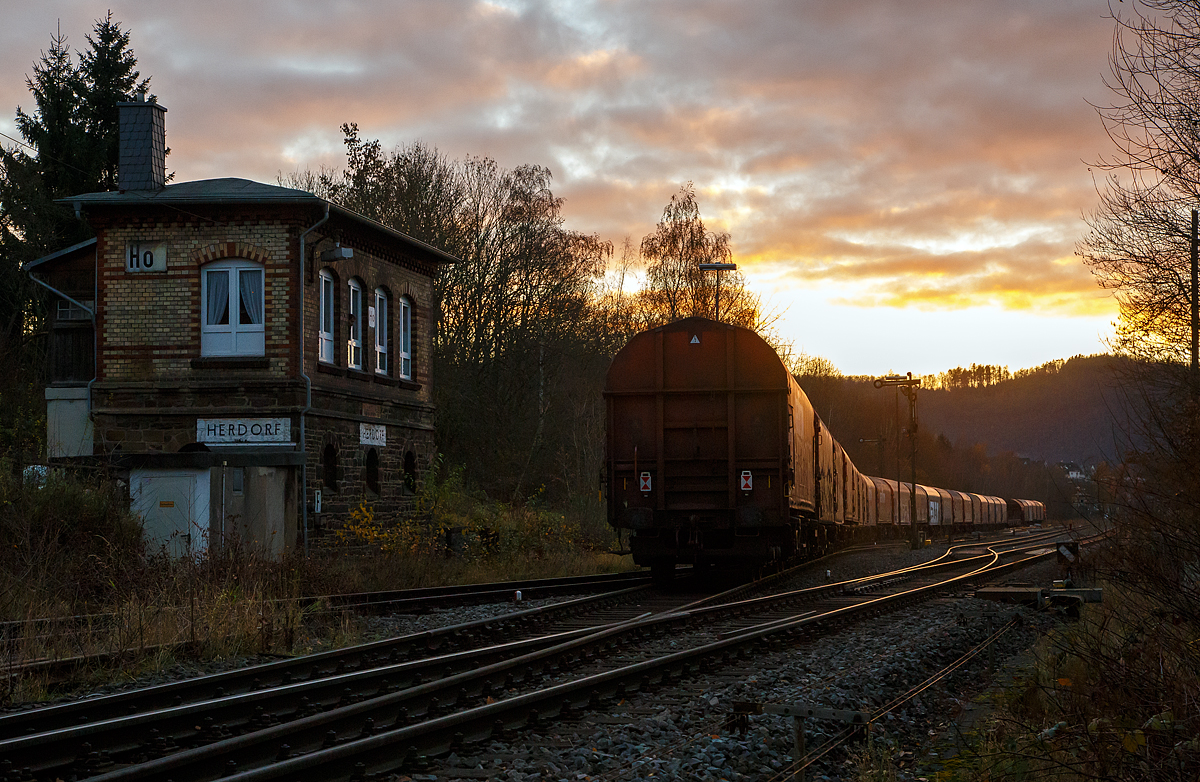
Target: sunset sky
(904, 182)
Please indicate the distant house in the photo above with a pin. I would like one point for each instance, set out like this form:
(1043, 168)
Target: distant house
(1073, 471)
(254, 358)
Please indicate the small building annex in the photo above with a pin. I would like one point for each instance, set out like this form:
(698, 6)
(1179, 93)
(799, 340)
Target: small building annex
(254, 358)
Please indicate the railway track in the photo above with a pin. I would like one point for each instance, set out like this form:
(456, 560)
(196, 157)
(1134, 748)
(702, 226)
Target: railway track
(84, 629)
(405, 699)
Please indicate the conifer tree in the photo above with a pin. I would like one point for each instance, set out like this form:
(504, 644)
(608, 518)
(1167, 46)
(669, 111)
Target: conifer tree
(70, 146)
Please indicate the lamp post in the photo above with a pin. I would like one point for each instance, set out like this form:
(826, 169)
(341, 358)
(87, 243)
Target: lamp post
(908, 386)
(718, 268)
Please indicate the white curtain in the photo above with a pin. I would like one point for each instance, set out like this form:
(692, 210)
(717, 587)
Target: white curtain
(381, 322)
(326, 305)
(381, 332)
(218, 299)
(250, 284)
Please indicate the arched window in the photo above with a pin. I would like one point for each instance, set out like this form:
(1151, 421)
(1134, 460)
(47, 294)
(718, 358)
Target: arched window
(410, 471)
(372, 471)
(329, 468)
(381, 331)
(325, 341)
(404, 339)
(354, 342)
(232, 309)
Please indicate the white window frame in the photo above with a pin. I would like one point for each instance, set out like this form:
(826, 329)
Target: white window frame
(404, 339)
(354, 338)
(233, 338)
(325, 322)
(381, 331)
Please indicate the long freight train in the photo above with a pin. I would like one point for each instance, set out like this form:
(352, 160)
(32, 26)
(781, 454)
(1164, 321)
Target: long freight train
(715, 456)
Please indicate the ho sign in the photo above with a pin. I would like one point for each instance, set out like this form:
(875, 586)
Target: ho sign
(747, 481)
(644, 482)
(141, 257)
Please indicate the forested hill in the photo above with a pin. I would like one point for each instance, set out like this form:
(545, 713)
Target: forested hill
(1068, 415)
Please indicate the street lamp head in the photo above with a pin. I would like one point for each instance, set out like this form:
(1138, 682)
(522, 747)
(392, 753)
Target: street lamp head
(718, 267)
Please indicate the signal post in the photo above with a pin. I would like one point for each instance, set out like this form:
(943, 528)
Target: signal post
(908, 386)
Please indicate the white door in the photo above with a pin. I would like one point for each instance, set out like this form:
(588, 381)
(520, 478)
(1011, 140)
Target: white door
(174, 509)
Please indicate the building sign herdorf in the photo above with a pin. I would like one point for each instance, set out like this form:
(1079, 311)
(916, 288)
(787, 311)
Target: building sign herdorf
(372, 434)
(236, 431)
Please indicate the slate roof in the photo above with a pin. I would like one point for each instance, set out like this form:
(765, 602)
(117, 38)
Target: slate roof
(202, 191)
(234, 191)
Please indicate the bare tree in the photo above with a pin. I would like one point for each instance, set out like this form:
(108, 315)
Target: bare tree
(675, 285)
(1138, 243)
(513, 344)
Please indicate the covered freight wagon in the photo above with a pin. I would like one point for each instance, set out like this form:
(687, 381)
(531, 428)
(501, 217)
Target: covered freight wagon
(714, 455)
(710, 448)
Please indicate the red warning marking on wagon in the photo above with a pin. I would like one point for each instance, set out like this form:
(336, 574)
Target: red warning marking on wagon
(747, 481)
(644, 481)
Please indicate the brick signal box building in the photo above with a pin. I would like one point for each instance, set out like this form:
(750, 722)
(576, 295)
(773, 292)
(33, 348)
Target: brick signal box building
(256, 358)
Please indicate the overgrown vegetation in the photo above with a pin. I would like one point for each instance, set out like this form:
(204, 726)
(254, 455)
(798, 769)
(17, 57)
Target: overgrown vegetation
(1109, 697)
(76, 577)
(457, 535)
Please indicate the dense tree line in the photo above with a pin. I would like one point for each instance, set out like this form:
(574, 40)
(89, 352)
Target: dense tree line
(987, 375)
(975, 376)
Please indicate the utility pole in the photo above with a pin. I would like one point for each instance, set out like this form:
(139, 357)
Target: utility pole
(718, 268)
(1195, 373)
(908, 386)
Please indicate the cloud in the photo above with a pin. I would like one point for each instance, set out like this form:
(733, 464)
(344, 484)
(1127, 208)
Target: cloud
(929, 153)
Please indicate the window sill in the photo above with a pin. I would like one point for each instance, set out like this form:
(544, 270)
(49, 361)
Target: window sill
(384, 380)
(408, 385)
(358, 374)
(330, 369)
(231, 362)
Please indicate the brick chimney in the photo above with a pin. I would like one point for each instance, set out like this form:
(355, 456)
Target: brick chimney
(143, 160)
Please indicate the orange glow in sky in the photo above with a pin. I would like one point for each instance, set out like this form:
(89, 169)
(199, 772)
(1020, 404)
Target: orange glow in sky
(903, 182)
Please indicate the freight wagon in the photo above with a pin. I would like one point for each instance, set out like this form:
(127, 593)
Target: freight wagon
(714, 455)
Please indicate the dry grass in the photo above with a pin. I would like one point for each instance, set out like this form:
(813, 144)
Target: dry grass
(76, 579)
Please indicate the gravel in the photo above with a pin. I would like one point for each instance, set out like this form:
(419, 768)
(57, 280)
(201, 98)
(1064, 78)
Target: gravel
(681, 732)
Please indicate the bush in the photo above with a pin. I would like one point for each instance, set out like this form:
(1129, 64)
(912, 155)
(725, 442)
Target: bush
(70, 543)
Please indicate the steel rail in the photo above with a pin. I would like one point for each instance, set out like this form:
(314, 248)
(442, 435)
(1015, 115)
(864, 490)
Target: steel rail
(218, 685)
(804, 762)
(264, 746)
(791, 572)
(382, 652)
